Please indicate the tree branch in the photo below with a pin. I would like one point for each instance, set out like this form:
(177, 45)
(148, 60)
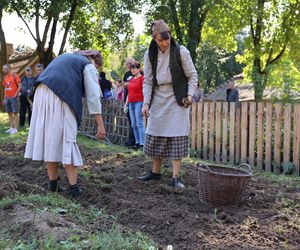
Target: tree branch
(174, 16)
(68, 25)
(19, 14)
(37, 21)
(46, 30)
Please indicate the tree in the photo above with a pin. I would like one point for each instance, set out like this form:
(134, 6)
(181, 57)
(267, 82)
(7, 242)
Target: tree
(3, 57)
(272, 29)
(186, 18)
(105, 25)
(53, 12)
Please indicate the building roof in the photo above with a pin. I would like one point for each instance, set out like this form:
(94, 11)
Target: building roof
(246, 93)
(20, 60)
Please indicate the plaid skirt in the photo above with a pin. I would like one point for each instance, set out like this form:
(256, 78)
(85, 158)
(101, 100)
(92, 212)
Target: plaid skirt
(172, 148)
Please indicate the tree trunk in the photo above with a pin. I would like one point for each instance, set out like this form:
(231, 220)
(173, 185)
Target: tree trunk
(194, 28)
(3, 58)
(68, 26)
(174, 16)
(258, 82)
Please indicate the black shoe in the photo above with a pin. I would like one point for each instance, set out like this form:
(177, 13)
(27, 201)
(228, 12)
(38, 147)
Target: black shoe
(128, 144)
(176, 182)
(54, 187)
(150, 176)
(75, 191)
(136, 146)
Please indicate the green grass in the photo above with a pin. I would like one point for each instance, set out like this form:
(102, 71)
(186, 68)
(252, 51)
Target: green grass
(115, 238)
(17, 138)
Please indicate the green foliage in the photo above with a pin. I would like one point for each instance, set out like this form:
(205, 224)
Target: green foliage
(215, 66)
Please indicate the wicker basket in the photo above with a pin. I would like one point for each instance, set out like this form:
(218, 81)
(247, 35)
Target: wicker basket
(222, 186)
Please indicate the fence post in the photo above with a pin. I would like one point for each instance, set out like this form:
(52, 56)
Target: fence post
(225, 133)
(205, 131)
(268, 141)
(277, 138)
(218, 131)
(194, 120)
(287, 133)
(296, 144)
(238, 134)
(244, 132)
(252, 133)
(231, 132)
(211, 130)
(260, 135)
(199, 127)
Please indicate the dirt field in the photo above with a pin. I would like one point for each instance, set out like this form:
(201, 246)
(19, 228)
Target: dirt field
(267, 218)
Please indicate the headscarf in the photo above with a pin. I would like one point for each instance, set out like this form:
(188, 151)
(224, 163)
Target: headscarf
(94, 54)
(159, 26)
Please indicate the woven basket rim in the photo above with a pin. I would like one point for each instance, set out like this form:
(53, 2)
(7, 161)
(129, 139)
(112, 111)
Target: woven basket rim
(243, 174)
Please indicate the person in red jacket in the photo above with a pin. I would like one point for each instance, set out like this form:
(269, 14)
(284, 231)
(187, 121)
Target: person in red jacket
(135, 103)
(12, 85)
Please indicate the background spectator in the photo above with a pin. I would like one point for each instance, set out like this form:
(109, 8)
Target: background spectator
(119, 90)
(106, 86)
(11, 82)
(129, 61)
(38, 68)
(135, 103)
(27, 83)
(232, 94)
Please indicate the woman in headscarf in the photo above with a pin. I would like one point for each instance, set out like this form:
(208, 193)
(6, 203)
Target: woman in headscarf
(170, 80)
(57, 112)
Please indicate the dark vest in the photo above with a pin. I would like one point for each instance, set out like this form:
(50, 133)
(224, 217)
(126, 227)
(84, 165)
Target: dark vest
(179, 80)
(64, 76)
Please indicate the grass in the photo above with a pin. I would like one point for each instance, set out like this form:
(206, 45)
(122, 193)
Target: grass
(87, 218)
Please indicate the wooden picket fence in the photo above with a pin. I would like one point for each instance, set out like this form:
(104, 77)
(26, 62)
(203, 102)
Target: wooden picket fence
(115, 122)
(264, 134)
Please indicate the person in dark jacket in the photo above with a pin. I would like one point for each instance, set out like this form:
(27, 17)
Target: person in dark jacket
(27, 83)
(57, 112)
(106, 86)
(232, 94)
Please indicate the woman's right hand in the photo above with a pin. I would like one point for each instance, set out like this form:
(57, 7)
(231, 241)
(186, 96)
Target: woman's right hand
(145, 110)
(100, 127)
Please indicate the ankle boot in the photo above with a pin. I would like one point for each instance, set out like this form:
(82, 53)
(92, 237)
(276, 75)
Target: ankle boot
(75, 191)
(53, 185)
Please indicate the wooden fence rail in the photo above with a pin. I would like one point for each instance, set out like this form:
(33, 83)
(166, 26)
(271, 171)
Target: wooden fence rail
(264, 134)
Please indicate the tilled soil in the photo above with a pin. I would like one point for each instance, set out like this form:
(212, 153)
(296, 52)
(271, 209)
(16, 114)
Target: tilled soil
(267, 218)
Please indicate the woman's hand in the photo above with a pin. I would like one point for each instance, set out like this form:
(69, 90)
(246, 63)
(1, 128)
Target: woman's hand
(100, 128)
(125, 108)
(187, 101)
(145, 110)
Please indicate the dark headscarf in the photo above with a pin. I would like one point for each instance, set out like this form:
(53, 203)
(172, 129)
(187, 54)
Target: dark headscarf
(94, 54)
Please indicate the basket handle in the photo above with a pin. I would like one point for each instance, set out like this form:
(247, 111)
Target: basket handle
(203, 165)
(246, 165)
